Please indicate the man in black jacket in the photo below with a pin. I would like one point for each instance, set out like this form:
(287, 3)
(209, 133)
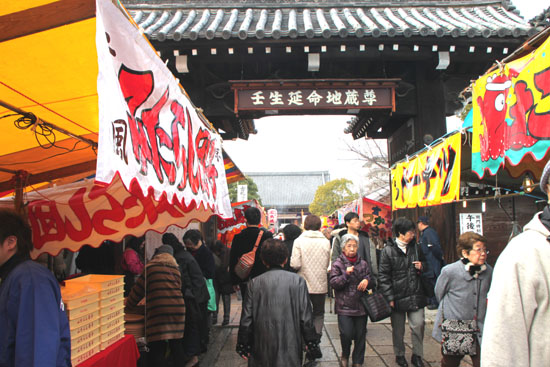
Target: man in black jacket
(243, 243)
(401, 265)
(194, 293)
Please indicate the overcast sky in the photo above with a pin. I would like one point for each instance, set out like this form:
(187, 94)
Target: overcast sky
(313, 143)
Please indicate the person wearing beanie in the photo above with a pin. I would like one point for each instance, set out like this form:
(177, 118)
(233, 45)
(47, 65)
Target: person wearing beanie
(518, 313)
(160, 284)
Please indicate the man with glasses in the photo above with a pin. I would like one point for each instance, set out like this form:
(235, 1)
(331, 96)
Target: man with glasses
(401, 264)
(518, 310)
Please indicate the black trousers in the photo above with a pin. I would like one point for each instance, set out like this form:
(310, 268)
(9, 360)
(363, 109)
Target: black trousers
(191, 336)
(157, 351)
(353, 328)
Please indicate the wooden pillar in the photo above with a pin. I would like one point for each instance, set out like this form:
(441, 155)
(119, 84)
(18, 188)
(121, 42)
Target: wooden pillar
(430, 94)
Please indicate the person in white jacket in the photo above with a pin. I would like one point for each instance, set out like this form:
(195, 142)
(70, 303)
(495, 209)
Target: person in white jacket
(310, 258)
(517, 324)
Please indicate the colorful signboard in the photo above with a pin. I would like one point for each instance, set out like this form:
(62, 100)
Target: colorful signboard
(430, 178)
(511, 112)
(149, 131)
(376, 216)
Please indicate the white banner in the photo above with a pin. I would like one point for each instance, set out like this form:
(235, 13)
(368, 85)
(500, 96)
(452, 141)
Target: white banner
(148, 129)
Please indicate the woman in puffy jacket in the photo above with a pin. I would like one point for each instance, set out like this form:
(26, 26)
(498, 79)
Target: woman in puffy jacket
(349, 277)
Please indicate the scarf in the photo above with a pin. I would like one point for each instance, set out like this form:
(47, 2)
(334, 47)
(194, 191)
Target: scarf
(473, 270)
(352, 260)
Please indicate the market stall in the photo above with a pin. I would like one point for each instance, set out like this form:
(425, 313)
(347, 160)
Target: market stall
(228, 228)
(376, 218)
(123, 119)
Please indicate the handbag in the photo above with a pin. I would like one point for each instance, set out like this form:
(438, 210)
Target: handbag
(246, 261)
(458, 337)
(212, 306)
(376, 306)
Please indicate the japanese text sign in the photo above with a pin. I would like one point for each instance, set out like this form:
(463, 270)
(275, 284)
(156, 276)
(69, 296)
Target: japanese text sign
(149, 131)
(431, 178)
(74, 215)
(471, 222)
(511, 112)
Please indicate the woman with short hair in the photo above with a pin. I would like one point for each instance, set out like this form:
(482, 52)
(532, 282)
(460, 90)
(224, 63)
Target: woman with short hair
(349, 277)
(462, 289)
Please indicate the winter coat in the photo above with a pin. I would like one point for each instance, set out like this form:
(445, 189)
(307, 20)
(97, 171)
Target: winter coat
(222, 280)
(398, 279)
(367, 251)
(310, 258)
(205, 259)
(431, 247)
(461, 296)
(34, 330)
(347, 297)
(160, 284)
(518, 309)
(242, 243)
(275, 319)
(193, 286)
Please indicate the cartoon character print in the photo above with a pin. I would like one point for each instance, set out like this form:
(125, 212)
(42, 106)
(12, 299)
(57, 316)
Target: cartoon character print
(493, 113)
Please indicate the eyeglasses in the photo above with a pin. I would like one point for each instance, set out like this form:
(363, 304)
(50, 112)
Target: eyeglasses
(481, 251)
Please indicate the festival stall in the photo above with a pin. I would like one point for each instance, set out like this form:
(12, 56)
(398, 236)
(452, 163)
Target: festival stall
(376, 217)
(228, 228)
(83, 93)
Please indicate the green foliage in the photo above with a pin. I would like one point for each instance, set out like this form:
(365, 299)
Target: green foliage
(252, 190)
(331, 196)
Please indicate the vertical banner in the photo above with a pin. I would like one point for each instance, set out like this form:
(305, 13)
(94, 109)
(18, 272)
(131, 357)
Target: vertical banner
(511, 112)
(431, 178)
(149, 131)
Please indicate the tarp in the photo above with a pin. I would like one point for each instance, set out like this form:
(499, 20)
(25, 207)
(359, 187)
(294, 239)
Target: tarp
(80, 213)
(430, 178)
(376, 216)
(150, 134)
(511, 114)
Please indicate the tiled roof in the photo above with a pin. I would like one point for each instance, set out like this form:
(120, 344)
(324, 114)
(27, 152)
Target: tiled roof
(176, 22)
(289, 189)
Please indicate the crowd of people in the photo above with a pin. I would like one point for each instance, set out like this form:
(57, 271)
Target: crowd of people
(498, 317)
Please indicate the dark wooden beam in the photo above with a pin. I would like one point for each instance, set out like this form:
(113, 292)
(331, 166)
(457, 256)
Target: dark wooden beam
(57, 173)
(41, 18)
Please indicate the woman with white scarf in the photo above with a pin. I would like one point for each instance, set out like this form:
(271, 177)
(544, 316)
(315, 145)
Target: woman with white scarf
(462, 289)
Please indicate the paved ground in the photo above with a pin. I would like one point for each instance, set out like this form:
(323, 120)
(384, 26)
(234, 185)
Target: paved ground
(379, 351)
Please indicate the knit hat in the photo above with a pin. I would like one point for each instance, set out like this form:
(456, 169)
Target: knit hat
(423, 219)
(164, 249)
(544, 177)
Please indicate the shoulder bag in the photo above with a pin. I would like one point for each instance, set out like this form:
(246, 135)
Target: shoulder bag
(376, 306)
(246, 261)
(458, 337)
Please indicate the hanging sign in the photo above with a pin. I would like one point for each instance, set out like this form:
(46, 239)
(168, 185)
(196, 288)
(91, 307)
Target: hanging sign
(149, 132)
(431, 178)
(471, 222)
(511, 113)
(84, 213)
(314, 95)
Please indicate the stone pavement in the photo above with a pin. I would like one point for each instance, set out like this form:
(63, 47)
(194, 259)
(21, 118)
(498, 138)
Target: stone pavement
(379, 351)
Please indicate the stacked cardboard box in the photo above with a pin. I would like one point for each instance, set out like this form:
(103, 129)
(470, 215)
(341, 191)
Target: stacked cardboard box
(110, 303)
